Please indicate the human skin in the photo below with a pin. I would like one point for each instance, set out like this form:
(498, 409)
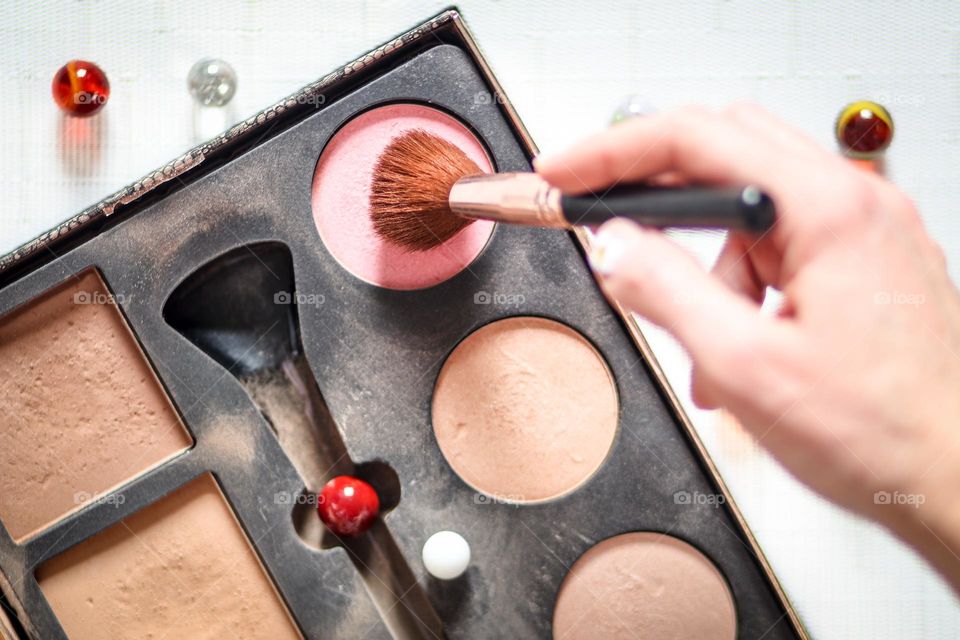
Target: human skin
(854, 384)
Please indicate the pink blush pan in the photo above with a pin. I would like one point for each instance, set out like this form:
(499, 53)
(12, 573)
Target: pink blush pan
(341, 200)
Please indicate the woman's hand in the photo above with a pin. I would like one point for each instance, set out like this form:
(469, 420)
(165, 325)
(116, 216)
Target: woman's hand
(855, 384)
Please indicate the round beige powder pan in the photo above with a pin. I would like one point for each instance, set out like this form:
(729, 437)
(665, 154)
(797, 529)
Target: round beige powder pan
(525, 409)
(644, 585)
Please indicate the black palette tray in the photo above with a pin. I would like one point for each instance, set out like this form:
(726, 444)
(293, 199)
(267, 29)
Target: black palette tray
(375, 354)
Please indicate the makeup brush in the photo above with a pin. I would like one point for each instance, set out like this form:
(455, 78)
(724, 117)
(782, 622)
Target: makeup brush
(426, 190)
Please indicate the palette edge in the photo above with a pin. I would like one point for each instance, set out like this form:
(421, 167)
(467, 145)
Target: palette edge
(129, 199)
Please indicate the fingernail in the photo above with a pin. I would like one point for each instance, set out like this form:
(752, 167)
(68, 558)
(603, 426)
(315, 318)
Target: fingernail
(606, 252)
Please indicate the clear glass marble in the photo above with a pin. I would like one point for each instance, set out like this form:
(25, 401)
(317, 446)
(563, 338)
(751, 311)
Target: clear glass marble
(632, 106)
(212, 82)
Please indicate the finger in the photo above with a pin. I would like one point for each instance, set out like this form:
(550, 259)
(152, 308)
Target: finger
(696, 142)
(668, 179)
(735, 268)
(763, 123)
(701, 392)
(647, 273)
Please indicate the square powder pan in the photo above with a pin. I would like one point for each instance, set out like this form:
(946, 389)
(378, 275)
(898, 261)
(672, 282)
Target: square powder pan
(253, 185)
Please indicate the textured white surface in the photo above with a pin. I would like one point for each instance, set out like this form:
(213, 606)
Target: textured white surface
(565, 64)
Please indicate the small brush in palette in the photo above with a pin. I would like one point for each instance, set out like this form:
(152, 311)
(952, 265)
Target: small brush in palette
(191, 360)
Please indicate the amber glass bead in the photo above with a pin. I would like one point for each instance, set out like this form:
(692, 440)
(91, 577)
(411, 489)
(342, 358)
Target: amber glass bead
(864, 129)
(80, 88)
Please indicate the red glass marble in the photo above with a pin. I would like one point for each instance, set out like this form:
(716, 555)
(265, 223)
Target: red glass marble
(864, 129)
(80, 88)
(348, 505)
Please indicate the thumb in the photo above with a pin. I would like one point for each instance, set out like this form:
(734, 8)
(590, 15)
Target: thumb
(648, 273)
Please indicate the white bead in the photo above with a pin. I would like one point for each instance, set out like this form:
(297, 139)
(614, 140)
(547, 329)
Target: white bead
(446, 555)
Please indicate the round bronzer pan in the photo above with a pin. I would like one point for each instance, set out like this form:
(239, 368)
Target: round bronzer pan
(341, 199)
(644, 585)
(525, 409)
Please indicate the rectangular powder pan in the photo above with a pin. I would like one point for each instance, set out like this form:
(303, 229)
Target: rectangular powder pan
(148, 564)
(232, 440)
(253, 185)
(75, 367)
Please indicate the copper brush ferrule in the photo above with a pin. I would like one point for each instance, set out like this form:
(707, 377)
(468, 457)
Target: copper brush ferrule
(528, 199)
(517, 198)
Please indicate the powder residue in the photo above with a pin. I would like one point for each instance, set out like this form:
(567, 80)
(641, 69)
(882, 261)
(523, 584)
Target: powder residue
(644, 585)
(525, 409)
(180, 568)
(83, 411)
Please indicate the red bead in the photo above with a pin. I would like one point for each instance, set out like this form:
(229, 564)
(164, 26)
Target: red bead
(864, 129)
(80, 88)
(348, 505)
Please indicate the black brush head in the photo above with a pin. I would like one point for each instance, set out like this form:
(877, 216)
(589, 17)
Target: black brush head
(409, 197)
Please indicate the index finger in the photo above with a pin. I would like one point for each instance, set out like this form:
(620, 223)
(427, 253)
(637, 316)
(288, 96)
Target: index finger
(702, 145)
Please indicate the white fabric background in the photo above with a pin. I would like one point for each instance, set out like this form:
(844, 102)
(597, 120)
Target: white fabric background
(565, 64)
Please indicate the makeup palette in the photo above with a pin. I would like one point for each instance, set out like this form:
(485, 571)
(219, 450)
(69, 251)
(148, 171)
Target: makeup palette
(189, 361)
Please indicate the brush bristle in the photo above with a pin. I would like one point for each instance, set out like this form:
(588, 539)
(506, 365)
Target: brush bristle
(409, 197)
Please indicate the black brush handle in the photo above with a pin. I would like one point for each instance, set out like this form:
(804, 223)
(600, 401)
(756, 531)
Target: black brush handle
(745, 208)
